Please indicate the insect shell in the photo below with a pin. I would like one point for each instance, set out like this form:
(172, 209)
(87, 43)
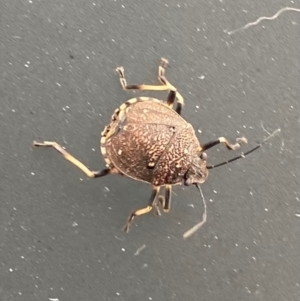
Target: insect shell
(148, 141)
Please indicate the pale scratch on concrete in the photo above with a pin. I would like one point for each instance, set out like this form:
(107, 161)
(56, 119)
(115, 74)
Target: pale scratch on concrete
(264, 18)
(139, 250)
(281, 146)
(262, 125)
(277, 131)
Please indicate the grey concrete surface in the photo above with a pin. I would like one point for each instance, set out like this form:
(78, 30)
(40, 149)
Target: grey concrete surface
(61, 234)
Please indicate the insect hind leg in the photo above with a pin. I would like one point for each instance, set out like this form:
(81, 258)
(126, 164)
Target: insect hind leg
(173, 91)
(166, 85)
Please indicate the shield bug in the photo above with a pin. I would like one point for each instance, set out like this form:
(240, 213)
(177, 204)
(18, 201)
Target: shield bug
(148, 140)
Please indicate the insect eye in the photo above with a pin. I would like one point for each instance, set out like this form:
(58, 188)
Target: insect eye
(203, 156)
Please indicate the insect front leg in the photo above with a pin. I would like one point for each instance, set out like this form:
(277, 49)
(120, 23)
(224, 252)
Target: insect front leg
(165, 201)
(210, 144)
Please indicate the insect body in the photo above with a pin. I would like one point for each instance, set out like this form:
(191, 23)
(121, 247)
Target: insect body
(148, 140)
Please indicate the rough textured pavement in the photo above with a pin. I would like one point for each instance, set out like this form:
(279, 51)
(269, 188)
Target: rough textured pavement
(60, 233)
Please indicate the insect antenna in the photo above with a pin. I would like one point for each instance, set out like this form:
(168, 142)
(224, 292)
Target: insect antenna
(243, 155)
(204, 216)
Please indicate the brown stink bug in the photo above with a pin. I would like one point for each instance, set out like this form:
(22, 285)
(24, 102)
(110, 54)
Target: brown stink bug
(147, 140)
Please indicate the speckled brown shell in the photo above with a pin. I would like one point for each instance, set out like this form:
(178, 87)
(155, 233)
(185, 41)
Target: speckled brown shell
(148, 141)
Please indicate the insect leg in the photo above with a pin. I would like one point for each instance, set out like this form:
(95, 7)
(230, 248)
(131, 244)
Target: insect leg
(166, 85)
(165, 201)
(85, 169)
(210, 144)
(171, 99)
(173, 91)
(151, 204)
(160, 202)
(125, 86)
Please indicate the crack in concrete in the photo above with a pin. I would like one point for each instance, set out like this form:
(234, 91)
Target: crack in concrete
(264, 18)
